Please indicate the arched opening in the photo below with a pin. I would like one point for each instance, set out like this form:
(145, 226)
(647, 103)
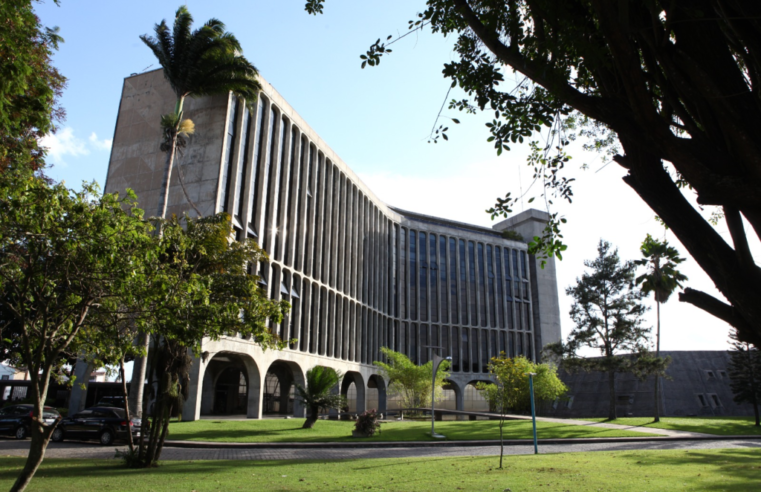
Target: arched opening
(230, 386)
(279, 395)
(449, 396)
(473, 399)
(353, 389)
(376, 393)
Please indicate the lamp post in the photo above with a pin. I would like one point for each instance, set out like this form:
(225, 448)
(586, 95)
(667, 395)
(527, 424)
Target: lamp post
(437, 360)
(533, 411)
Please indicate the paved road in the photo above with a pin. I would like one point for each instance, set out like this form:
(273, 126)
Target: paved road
(95, 451)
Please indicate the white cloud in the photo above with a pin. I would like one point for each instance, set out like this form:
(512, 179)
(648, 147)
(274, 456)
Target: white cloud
(64, 143)
(104, 144)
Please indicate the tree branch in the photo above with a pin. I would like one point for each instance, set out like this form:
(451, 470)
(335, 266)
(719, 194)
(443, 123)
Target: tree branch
(722, 311)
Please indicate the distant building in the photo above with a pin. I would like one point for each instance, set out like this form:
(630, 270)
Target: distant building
(11, 373)
(697, 385)
(359, 274)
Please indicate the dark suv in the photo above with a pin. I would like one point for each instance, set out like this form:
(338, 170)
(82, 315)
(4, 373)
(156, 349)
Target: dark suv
(15, 419)
(104, 424)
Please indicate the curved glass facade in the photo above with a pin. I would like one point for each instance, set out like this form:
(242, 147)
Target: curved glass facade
(361, 275)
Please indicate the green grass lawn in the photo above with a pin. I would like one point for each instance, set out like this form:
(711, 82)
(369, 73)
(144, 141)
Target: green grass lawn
(731, 470)
(289, 430)
(723, 426)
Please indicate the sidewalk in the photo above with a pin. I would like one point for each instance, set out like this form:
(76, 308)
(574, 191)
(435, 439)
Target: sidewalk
(634, 428)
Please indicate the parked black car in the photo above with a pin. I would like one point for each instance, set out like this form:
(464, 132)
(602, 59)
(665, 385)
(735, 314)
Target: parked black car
(104, 424)
(111, 401)
(15, 419)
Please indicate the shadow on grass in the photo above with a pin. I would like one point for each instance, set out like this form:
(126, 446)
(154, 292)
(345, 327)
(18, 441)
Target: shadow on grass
(742, 464)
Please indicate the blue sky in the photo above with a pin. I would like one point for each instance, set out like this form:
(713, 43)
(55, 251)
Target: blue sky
(377, 119)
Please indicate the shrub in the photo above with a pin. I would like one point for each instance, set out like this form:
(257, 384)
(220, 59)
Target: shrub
(367, 423)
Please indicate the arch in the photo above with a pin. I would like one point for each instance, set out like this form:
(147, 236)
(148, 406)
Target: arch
(453, 396)
(231, 386)
(376, 382)
(355, 378)
(278, 395)
(473, 401)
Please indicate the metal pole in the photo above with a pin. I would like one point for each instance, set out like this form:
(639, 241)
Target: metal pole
(533, 411)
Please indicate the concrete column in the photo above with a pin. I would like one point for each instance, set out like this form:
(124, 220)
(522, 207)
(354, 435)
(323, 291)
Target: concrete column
(191, 410)
(82, 370)
(207, 392)
(255, 390)
(459, 397)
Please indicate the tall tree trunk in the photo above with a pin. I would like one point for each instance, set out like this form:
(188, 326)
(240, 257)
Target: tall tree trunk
(138, 376)
(612, 388)
(755, 411)
(40, 432)
(656, 415)
(164, 197)
(126, 406)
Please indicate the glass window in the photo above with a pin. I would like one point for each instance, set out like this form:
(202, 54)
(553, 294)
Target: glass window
(394, 277)
(472, 283)
(526, 316)
(482, 284)
(413, 275)
(404, 343)
(484, 351)
(413, 343)
(529, 352)
(490, 286)
(425, 347)
(455, 349)
(475, 363)
(500, 287)
(465, 351)
(443, 278)
(258, 150)
(524, 270)
(228, 159)
(463, 285)
(447, 351)
(519, 344)
(403, 273)
(314, 319)
(453, 277)
(240, 188)
(423, 278)
(433, 267)
(435, 340)
(515, 263)
(511, 348)
(493, 347)
(502, 343)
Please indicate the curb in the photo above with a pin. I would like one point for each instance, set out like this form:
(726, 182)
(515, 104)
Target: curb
(425, 444)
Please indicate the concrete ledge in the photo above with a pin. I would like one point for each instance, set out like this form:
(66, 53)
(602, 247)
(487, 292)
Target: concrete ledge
(424, 444)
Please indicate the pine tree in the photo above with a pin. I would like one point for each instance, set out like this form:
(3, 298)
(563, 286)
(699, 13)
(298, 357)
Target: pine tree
(745, 373)
(607, 311)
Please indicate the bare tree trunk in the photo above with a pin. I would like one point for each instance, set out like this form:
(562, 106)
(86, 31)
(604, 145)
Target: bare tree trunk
(126, 406)
(612, 388)
(40, 432)
(40, 439)
(138, 375)
(657, 417)
(184, 189)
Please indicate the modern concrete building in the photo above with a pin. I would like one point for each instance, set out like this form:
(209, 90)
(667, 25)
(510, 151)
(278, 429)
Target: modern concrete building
(359, 274)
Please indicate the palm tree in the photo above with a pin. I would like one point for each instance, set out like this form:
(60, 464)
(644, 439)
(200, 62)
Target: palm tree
(662, 279)
(204, 62)
(319, 394)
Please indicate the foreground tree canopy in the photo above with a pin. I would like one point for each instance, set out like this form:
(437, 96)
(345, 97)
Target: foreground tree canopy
(670, 88)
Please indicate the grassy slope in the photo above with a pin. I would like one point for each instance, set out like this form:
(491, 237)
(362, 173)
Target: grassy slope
(724, 426)
(731, 470)
(289, 430)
